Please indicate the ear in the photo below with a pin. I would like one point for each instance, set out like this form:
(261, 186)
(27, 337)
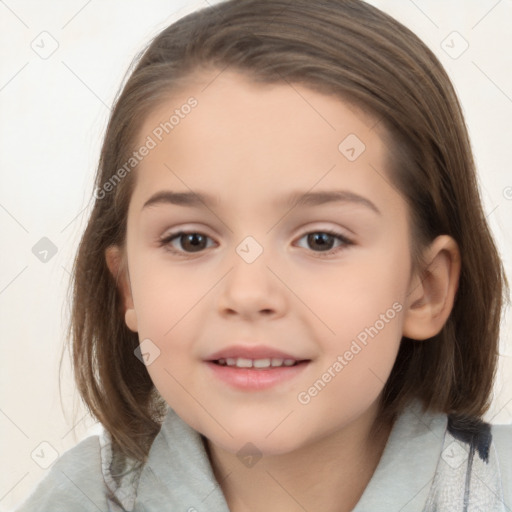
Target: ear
(432, 292)
(116, 263)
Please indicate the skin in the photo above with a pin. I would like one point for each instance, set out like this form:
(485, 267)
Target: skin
(251, 145)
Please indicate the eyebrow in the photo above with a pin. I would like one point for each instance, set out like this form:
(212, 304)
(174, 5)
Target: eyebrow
(202, 200)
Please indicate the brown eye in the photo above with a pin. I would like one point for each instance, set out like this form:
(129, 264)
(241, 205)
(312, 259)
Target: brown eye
(192, 241)
(187, 242)
(324, 242)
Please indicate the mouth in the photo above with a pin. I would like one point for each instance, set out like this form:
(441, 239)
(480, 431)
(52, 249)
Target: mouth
(252, 375)
(258, 364)
(254, 367)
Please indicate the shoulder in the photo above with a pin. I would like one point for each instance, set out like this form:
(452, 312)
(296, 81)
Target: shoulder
(502, 440)
(475, 465)
(74, 482)
(502, 437)
(489, 441)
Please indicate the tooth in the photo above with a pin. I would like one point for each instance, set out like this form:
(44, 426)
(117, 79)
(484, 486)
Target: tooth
(261, 363)
(244, 363)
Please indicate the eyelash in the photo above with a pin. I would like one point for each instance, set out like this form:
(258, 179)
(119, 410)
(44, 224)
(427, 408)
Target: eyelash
(165, 242)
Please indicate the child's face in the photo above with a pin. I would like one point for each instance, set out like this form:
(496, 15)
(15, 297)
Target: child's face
(250, 148)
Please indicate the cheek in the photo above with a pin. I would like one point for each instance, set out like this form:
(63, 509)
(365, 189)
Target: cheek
(167, 306)
(168, 300)
(358, 354)
(361, 308)
(353, 295)
(164, 293)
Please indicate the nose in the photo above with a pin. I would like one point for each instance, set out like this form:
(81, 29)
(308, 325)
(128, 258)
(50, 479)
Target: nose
(252, 290)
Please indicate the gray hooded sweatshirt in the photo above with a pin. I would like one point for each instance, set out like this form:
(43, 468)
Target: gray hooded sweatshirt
(431, 462)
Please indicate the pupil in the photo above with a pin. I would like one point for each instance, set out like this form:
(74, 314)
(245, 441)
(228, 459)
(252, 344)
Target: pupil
(323, 240)
(320, 238)
(195, 240)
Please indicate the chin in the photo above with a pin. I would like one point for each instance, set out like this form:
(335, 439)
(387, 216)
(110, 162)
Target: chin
(233, 432)
(254, 447)
(254, 442)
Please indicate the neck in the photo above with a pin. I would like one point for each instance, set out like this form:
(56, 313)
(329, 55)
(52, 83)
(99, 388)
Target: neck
(328, 474)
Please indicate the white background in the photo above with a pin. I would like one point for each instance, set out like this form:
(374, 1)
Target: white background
(53, 114)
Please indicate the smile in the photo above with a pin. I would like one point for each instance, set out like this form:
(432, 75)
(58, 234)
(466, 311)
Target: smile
(255, 375)
(241, 362)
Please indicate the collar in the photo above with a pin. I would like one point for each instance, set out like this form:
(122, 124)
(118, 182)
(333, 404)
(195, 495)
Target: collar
(405, 472)
(178, 474)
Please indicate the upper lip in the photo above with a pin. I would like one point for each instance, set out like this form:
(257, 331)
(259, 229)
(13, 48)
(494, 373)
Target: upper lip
(251, 352)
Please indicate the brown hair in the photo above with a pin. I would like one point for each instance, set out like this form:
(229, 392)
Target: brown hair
(365, 57)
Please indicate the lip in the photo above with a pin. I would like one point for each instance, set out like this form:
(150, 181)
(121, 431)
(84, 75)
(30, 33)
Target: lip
(252, 379)
(251, 352)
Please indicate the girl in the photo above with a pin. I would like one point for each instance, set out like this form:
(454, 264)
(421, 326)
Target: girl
(287, 296)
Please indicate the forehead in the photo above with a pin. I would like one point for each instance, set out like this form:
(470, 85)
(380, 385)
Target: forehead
(256, 137)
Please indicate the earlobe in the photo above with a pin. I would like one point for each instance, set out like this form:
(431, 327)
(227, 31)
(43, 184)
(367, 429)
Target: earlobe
(432, 293)
(117, 267)
(130, 319)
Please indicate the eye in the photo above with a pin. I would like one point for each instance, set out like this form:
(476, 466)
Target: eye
(324, 240)
(190, 242)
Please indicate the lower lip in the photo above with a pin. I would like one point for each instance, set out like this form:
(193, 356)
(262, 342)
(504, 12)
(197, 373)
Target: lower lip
(250, 379)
